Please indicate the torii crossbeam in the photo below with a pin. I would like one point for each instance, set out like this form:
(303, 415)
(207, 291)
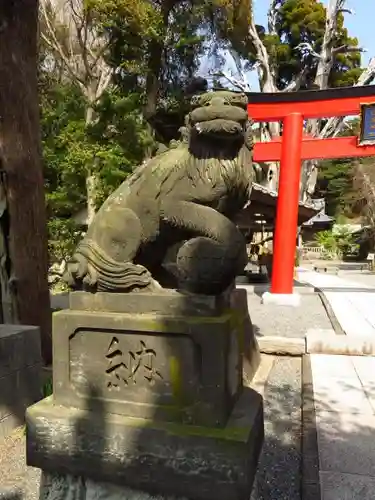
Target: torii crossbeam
(293, 147)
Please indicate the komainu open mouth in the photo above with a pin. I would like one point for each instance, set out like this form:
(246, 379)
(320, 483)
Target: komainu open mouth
(219, 127)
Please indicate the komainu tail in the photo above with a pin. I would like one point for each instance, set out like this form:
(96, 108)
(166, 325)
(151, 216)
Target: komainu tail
(92, 269)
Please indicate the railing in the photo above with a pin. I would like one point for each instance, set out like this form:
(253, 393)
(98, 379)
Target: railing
(319, 251)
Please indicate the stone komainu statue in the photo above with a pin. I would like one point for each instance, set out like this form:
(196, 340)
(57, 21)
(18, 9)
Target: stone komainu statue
(169, 225)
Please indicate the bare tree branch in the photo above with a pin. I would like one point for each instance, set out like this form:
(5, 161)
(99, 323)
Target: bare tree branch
(104, 81)
(346, 11)
(335, 125)
(272, 17)
(297, 82)
(80, 20)
(325, 65)
(346, 49)
(238, 84)
(368, 75)
(306, 49)
(84, 60)
(267, 78)
(326, 56)
(68, 31)
(51, 39)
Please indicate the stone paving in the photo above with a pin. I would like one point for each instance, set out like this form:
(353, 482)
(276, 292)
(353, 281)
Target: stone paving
(344, 393)
(344, 397)
(353, 303)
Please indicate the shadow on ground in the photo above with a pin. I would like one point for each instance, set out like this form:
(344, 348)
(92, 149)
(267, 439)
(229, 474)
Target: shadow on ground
(281, 467)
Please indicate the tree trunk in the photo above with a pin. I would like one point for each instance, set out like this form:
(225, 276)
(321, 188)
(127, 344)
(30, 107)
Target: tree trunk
(154, 70)
(20, 153)
(91, 184)
(91, 176)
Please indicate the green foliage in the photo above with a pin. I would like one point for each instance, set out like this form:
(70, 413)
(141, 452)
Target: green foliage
(47, 389)
(338, 242)
(112, 147)
(297, 21)
(335, 184)
(118, 139)
(303, 21)
(327, 240)
(63, 237)
(156, 47)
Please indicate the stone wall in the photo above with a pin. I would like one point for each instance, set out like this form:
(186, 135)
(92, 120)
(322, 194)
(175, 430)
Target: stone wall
(20, 374)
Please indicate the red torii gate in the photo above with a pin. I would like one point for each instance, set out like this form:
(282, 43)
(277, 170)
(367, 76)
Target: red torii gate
(293, 147)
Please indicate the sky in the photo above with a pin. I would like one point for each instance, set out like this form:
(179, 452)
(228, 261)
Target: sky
(359, 25)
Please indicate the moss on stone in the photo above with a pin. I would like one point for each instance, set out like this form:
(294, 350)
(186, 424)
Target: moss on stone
(230, 434)
(163, 324)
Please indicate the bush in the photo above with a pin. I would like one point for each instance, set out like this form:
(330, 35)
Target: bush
(337, 243)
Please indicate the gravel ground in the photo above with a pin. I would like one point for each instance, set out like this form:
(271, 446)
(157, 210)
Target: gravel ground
(279, 471)
(286, 321)
(15, 475)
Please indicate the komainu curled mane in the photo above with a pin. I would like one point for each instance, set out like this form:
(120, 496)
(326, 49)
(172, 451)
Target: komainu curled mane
(169, 224)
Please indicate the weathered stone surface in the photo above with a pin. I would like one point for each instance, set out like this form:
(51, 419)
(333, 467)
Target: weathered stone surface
(20, 389)
(282, 345)
(250, 349)
(178, 368)
(19, 347)
(68, 487)
(8, 494)
(168, 302)
(171, 223)
(281, 299)
(169, 459)
(150, 397)
(20, 374)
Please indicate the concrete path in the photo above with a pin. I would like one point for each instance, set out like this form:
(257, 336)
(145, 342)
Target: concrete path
(353, 303)
(344, 394)
(344, 400)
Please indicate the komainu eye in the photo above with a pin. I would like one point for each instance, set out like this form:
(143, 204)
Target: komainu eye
(195, 101)
(239, 100)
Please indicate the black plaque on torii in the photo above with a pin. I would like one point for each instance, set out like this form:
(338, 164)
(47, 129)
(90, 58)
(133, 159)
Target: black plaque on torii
(367, 125)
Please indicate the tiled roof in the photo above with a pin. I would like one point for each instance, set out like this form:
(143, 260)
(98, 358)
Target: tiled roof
(270, 192)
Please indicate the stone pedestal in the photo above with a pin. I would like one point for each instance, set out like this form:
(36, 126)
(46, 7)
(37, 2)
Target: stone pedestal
(148, 394)
(281, 299)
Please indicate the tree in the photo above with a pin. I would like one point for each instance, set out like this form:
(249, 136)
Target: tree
(77, 42)
(117, 139)
(20, 155)
(158, 46)
(364, 185)
(335, 185)
(304, 45)
(345, 183)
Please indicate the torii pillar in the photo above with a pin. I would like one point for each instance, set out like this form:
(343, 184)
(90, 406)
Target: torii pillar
(292, 109)
(287, 215)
